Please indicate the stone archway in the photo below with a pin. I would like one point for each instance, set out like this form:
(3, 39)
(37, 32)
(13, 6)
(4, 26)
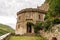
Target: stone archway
(29, 28)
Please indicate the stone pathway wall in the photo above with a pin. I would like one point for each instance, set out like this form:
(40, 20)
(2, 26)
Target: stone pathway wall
(4, 36)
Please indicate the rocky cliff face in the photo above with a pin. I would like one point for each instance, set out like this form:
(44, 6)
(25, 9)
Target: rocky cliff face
(55, 33)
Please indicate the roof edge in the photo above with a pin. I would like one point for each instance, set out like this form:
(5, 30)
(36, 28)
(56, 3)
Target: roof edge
(31, 10)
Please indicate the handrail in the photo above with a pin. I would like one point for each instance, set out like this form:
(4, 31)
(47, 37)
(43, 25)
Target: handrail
(4, 36)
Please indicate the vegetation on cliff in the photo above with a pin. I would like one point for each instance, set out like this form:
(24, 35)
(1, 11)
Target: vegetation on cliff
(54, 9)
(53, 14)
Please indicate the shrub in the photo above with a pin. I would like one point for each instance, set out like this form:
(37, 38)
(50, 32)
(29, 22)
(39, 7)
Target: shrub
(46, 25)
(56, 21)
(37, 27)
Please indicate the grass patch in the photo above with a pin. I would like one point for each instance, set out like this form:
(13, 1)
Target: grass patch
(27, 38)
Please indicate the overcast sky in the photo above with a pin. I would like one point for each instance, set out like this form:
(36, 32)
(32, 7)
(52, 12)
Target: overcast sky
(9, 8)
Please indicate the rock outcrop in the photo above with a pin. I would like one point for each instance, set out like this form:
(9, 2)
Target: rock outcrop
(55, 33)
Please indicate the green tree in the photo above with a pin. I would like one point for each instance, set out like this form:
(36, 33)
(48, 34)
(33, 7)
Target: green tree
(54, 10)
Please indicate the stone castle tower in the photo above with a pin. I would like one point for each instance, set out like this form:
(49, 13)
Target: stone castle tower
(33, 15)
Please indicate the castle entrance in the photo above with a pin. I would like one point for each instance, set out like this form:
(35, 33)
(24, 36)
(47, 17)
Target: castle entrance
(29, 28)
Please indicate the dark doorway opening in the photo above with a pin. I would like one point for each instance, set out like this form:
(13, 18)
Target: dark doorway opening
(29, 28)
(54, 38)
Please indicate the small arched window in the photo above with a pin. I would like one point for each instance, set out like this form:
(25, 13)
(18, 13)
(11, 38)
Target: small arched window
(19, 17)
(39, 16)
(19, 26)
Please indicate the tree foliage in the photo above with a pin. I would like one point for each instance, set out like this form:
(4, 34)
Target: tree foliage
(54, 8)
(37, 27)
(54, 11)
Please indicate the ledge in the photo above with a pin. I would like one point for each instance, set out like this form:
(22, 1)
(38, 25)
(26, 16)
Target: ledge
(31, 10)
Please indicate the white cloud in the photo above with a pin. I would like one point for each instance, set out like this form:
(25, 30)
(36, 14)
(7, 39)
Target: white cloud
(8, 21)
(8, 9)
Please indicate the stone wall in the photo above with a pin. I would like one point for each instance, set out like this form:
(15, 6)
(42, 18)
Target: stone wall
(5, 36)
(44, 6)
